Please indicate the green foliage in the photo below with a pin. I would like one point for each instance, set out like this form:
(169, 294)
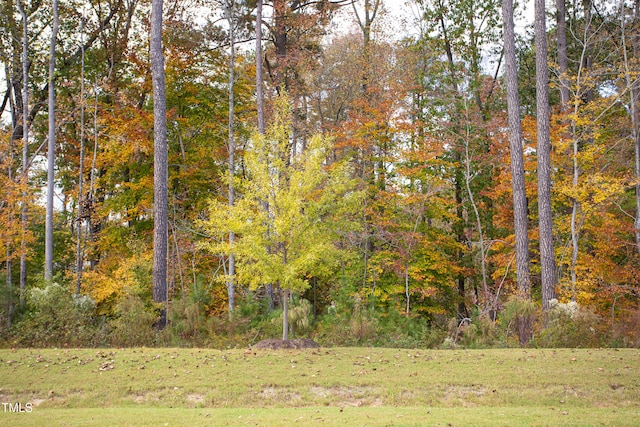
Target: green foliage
(58, 318)
(570, 325)
(133, 324)
(288, 213)
(518, 317)
(480, 332)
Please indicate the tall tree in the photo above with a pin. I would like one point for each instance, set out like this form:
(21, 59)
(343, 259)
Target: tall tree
(285, 219)
(25, 149)
(633, 86)
(231, 146)
(515, 145)
(80, 215)
(259, 68)
(635, 96)
(48, 267)
(547, 257)
(520, 221)
(563, 58)
(160, 163)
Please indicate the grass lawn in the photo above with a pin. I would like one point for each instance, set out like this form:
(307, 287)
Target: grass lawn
(334, 386)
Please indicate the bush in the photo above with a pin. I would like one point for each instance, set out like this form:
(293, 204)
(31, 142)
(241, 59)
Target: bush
(518, 317)
(570, 325)
(133, 324)
(188, 321)
(479, 332)
(626, 331)
(56, 317)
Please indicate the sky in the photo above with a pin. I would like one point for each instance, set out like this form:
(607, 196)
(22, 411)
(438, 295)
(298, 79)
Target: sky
(402, 15)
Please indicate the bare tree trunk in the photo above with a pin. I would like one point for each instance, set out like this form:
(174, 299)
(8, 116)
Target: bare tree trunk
(48, 250)
(231, 294)
(635, 94)
(160, 167)
(9, 212)
(483, 256)
(563, 59)
(285, 314)
(406, 289)
(260, 106)
(521, 226)
(634, 99)
(259, 72)
(80, 219)
(25, 151)
(92, 175)
(547, 257)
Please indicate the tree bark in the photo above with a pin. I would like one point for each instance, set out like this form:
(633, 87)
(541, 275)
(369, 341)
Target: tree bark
(285, 314)
(48, 251)
(634, 100)
(521, 225)
(563, 59)
(259, 69)
(25, 151)
(160, 167)
(635, 96)
(547, 257)
(80, 218)
(231, 291)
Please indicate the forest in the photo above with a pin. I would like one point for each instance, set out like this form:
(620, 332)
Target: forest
(214, 173)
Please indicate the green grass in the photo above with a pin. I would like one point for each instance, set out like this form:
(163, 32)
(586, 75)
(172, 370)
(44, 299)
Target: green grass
(360, 386)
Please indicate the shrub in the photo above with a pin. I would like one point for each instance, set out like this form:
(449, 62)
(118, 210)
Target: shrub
(58, 318)
(480, 332)
(570, 325)
(518, 317)
(133, 324)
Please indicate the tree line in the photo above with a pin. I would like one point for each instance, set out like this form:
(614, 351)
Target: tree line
(241, 160)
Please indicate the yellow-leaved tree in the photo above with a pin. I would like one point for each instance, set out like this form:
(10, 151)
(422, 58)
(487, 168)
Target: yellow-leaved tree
(290, 208)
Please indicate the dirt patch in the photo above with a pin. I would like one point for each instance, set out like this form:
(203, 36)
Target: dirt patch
(195, 399)
(275, 344)
(279, 394)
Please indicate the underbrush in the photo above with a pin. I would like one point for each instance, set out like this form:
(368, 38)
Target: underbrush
(54, 317)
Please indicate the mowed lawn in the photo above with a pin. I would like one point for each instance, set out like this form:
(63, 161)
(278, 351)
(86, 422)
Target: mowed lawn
(328, 387)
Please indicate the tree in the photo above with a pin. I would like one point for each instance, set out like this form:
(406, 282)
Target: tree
(517, 166)
(517, 163)
(25, 150)
(259, 73)
(160, 165)
(563, 59)
(48, 267)
(231, 145)
(547, 256)
(288, 212)
(634, 99)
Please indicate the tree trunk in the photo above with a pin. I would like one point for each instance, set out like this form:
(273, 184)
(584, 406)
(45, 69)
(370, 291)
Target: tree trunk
(25, 152)
(547, 257)
(521, 226)
(259, 72)
(634, 99)
(231, 292)
(563, 59)
(48, 250)
(160, 167)
(80, 218)
(281, 79)
(406, 290)
(635, 95)
(285, 314)
(486, 298)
